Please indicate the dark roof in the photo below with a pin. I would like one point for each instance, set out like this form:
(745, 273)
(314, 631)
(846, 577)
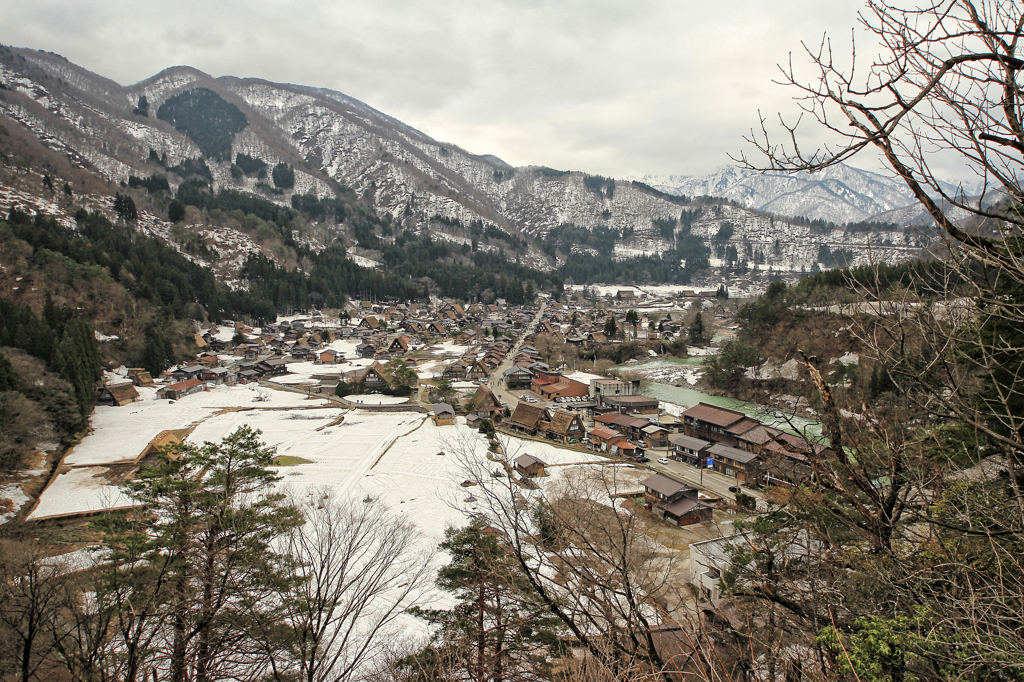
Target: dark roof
(759, 435)
(443, 408)
(735, 454)
(688, 442)
(718, 416)
(525, 461)
(681, 506)
(743, 425)
(665, 485)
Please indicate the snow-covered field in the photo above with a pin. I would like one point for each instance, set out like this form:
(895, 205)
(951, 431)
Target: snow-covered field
(401, 460)
(82, 489)
(666, 372)
(120, 434)
(390, 456)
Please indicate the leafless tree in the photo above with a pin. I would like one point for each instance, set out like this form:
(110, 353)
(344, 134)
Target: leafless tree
(944, 91)
(355, 569)
(30, 600)
(938, 548)
(598, 568)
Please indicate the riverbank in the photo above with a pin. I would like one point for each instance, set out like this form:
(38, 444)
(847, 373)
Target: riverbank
(669, 380)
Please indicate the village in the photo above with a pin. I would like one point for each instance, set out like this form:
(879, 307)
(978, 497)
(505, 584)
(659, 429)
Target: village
(377, 403)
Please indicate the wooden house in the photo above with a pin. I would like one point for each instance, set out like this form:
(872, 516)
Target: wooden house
(329, 357)
(741, 464)
(527, 418)
(400, 345)
(486, 405)
(371, 322)
(181, 389)
(688, 449)
(443, 414)
(565, 427)
(188, 372)
(140, 377)
(529, 466)
(675, 501)
(373, 376)
(118, 395)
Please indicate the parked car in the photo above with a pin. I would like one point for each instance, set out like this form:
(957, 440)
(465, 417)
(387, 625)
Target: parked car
(734, 488)
(662, 460)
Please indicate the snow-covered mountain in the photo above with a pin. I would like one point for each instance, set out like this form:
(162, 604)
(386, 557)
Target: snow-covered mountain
(332, 140)
(839, 194)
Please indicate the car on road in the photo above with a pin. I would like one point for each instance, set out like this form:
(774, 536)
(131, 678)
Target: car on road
(531, 400)
(662, 460)
(734, 488)
(641, 459)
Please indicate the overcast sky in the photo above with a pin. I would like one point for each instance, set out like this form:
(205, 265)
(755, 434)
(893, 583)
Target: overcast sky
(616, 88)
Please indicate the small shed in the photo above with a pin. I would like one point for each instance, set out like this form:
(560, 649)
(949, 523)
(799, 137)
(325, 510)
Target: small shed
(529, 466)
(444, 414)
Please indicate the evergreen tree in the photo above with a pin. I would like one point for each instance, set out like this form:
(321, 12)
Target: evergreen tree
(610, 326)
(143, 108)
(284, 176)
(698, 336)
(498, 628)
(176, 211)
(157, 353)
(204, 574)
(8, 378)
(124, 206)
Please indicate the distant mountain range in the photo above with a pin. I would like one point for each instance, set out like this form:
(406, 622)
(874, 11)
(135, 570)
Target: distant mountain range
(328, 143)
(840, 194)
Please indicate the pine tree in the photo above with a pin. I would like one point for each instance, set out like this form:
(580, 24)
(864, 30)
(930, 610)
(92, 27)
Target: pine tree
(497, 629)
(157, 353)
(698, 336)
(206, 571)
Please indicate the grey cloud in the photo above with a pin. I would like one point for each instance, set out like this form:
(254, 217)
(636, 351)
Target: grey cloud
(610, 87)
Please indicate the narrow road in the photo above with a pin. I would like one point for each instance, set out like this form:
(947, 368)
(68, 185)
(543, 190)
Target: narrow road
(495, 380)
(709, 479)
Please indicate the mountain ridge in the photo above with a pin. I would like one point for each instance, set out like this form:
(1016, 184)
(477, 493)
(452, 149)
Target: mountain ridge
(334, 141)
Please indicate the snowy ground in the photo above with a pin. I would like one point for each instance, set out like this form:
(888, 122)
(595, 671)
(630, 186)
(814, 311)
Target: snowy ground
(373, 399)
(82, 489)
(391, 456)
(12, 498)
(399, 459)
(665, 372)
(120, 434)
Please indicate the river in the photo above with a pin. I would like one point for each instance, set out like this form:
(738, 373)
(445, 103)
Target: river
(688, 397)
